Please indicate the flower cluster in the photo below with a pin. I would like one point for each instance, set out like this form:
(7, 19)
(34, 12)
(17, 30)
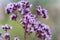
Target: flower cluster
(29, 20)
(13, 17)
(21, 6)
(42, 12)
(16, 38)
(6, 27)
(11, 8)
(44, 32)
(6, 35)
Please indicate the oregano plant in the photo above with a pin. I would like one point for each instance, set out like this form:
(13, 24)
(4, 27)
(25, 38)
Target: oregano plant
(29, 21)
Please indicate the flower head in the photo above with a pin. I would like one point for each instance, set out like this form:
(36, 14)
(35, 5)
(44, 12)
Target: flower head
(6, 27)
(11, 7)
(16, 38)
(13, 17)
(44, 32)
(42, 12)
(6, 36)
(24, 4)
(23, 11)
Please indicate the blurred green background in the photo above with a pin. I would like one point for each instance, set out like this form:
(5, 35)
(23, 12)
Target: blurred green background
(53, 7)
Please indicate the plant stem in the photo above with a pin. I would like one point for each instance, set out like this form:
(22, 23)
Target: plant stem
(25, 33)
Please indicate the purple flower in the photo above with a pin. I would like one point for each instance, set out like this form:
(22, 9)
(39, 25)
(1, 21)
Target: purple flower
(42, 12)
(28, 18)
(13, 17)
(39, 9)
(29, 21)
(23, 11)
(24, 21)
(16, 38)
(37, 24)
(31, 17)
(30, 28)
(6, 36)
(6, 27)
(24, 4)
(44, 32)
(11, 7)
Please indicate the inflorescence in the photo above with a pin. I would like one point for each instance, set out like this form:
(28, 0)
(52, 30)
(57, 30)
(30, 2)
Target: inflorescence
(29, 20)
(6, 35)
